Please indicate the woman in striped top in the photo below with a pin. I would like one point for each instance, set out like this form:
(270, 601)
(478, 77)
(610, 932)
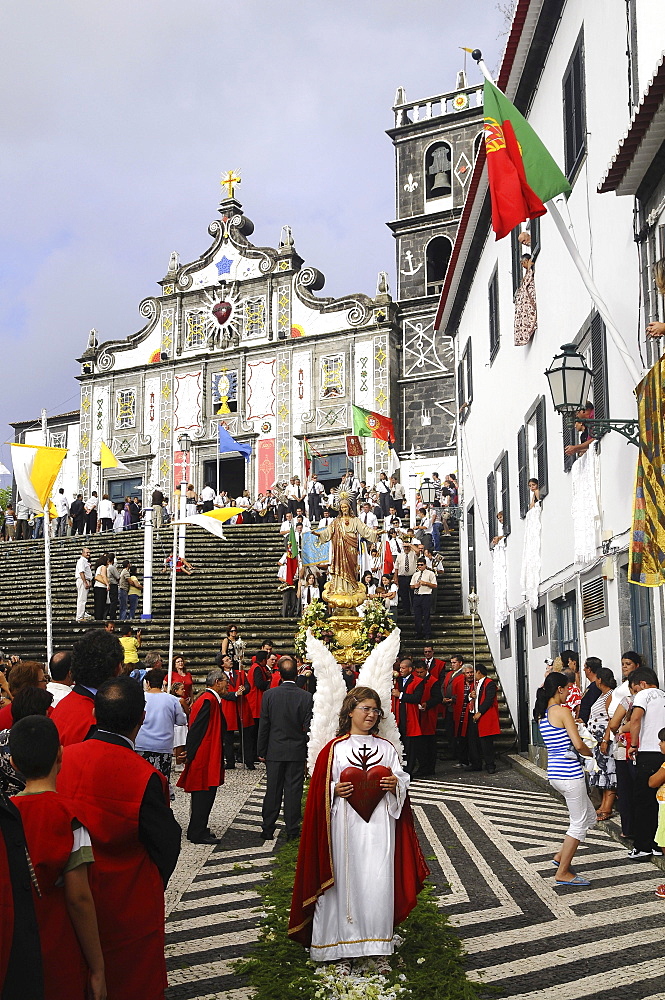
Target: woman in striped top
(564, 771)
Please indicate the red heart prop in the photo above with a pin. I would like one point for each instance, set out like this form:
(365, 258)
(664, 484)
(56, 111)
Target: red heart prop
(221, 311)
(366, 793)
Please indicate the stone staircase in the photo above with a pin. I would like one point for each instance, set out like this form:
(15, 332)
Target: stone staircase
(235, 583)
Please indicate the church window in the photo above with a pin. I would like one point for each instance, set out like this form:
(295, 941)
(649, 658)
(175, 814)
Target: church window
(437, 256)
(332, 376)
(477, 142)
(195, 329)
(125, 408)
(438, 171)
(255, 316)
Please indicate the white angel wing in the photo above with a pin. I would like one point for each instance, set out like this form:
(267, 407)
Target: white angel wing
(328, 697)
(377, 673)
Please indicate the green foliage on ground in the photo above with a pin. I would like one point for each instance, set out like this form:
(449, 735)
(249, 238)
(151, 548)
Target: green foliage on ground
(430, 963)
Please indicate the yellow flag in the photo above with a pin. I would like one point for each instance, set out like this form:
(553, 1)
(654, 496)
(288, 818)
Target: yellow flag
(108, 459)
(36, 469)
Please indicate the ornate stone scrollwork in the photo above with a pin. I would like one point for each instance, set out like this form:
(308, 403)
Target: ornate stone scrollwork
(311, 280)
(105, 361)
(308, 418)
(149, 307)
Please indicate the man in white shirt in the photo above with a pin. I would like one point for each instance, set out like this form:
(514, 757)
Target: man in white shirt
(646, 721)
(295, 495)
(423, 585)
(405, 567)
(315, 492)
(91, 513)
(398, 493)
(285, 526)
(83, 583)
(301, 518)
(59, 669)
(367, 517)
(207, 498)
(326, 519)
(62, 506)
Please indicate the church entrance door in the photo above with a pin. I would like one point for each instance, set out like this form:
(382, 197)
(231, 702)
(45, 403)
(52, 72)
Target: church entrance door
(331, 468)
(231, 475)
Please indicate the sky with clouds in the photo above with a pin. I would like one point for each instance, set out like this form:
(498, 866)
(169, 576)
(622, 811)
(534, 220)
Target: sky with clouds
(118, 119)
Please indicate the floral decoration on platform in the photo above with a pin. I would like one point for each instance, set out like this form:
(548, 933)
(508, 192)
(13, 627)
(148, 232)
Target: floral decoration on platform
(374, 625)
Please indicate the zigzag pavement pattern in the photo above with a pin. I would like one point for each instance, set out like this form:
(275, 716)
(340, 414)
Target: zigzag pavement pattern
(489, 842)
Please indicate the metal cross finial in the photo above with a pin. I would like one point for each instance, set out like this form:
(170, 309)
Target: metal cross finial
(230, 180)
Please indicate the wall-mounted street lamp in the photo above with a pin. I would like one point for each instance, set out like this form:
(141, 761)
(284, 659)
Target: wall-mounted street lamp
(427, 491)
(570, 381)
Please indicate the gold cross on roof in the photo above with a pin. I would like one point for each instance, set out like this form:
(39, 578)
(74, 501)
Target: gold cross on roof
(230, 180)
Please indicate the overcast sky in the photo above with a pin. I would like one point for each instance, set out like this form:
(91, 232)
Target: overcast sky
(117, 120)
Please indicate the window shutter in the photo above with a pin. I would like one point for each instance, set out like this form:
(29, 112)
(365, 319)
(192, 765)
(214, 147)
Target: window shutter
(460, 388)
(568, 106)
(516, 255)
(569, 437)
(522, 471)
(469, 373)
(599, 367)
(594, 599)
(491, 506)
(541, 448)
(505, 494)
(471, 545)
(493, 295)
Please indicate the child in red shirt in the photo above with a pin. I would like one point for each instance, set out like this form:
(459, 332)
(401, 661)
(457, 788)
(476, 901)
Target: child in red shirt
(60, 851)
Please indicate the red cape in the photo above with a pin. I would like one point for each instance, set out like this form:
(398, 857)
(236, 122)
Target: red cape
(314, 871)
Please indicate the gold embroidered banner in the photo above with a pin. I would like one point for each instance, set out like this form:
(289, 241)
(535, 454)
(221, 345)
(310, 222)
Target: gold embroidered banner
(647, 541)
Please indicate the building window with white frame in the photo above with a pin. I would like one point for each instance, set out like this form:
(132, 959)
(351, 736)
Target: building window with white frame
(125, 408)
(532, 456)
(524, 246)
(493, 305)
(574, 111)
(437, 256)
(464, 383)
(498, 499)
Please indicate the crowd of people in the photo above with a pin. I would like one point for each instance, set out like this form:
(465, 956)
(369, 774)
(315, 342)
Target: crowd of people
(115, 587)
(87, 515)
(619, 732)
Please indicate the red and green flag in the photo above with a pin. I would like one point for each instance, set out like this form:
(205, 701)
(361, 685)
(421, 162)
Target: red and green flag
(292, 558)
(366, 423)
(522, 174)
(309, 454)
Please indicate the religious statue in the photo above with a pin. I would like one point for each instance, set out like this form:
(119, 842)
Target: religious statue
(342, 589)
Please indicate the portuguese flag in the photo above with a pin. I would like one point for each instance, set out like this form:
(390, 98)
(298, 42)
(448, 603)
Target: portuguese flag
(522, 174)
(292, 558)
(368, 424)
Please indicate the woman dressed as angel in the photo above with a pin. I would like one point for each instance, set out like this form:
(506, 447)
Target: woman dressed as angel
(343, 537)
(358, 876)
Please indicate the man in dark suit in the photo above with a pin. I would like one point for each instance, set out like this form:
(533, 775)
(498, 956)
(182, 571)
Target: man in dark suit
(286, 714)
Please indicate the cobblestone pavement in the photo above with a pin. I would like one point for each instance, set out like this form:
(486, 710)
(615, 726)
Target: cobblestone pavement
(489, 841)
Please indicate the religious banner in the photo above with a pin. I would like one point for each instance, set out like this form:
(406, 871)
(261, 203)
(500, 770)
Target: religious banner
(266, 463)
(312, 551)
(354, 449)
(647, 539)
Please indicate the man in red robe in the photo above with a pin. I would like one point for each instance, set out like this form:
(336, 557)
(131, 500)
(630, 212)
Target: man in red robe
(484, 723)
(96, 658)
(124, 803)
(204, 770)
(236, 712)
(314, 871)
(407, 696)
(20, 951)
(258, 678)
(434, 665)
(462, 702)
(428, 708)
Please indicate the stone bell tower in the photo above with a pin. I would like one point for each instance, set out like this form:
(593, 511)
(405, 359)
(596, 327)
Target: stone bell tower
(436, 141)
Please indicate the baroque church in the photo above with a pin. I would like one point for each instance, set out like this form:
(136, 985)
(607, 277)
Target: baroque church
(243, 336)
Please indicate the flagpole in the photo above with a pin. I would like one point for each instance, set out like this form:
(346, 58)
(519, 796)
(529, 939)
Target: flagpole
(571, 247)
(47, 560)
(174, 559)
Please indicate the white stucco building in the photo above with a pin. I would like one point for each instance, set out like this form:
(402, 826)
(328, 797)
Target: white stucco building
(567, 71)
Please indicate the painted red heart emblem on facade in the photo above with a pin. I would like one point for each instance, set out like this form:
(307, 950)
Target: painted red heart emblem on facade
(221, 311)
(367, 792)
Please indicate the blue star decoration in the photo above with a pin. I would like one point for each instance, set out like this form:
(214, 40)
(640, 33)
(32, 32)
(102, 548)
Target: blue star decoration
(224, 265)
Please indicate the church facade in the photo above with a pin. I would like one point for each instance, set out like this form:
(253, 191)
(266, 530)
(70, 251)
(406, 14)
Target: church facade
(243, 337)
